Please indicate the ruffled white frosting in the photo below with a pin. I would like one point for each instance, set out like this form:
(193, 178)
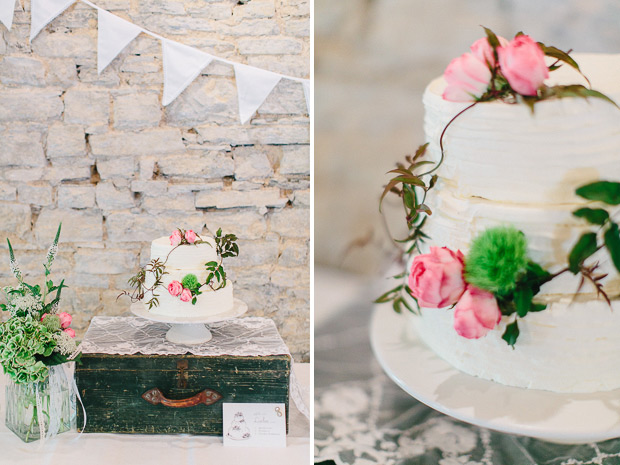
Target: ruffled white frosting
(181, 261)
(505, 165)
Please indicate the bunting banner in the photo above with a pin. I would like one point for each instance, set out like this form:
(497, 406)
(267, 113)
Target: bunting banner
(253, 87)
(43, 11)
(7, 9)
(181, 63)
(181, 66)
(113, 36)
(306, 85)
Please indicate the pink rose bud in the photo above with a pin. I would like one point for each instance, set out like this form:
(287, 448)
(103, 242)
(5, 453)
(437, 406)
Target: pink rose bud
(175, 288)
(190, 236)
(175, 238)
(482, 50)
(43, 316)
(70, 332)
(467, 77)
(522, 63)
(186, 295)
(65, 319)
(476, 313)
(436, 278)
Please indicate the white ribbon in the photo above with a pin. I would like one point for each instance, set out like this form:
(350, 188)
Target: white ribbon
(181, 66)
(43, 11)
(113, 35)
(7, 8)
(40, 414)
(253, 87)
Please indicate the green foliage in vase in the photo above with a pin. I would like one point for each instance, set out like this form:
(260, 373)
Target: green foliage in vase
(496, 259)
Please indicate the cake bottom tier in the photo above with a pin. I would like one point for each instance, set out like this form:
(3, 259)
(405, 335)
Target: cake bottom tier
(569, 347)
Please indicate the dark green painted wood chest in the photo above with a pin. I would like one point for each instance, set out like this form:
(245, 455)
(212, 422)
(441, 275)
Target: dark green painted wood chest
(119, 397)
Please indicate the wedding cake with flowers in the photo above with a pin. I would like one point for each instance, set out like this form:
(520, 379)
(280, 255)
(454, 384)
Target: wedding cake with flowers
(513, 276)
(185, 276)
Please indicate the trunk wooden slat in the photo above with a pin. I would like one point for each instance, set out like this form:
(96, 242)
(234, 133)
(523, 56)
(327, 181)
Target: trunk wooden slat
(112, 386)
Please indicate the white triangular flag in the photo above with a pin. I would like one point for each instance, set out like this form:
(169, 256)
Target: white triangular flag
(43, 11)
(7, 8)
(253, 87)
(114, 34)
(182, 64)
(306, 85)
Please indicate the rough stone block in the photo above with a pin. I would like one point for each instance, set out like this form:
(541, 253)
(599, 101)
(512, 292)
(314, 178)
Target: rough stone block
(30, 105)
(72, 169)
(291, 222)
(72, 196)
(35, 194)
(253, 161)
(207, 165)
(302, 198)
(252, 278)
(218, 10)
(7, 191)
(157, 6)
(294, 252)
(110, 198)
(297, 27)
(150, 188)
(286, 98)
(253, 27)
(246, 224)
(87, 107)
(15, 219)
(280, 134)
(255, 9)
(137, 110)
(116, 168)
(77, 44)
(206, 99)
(21, 146)
(146, 167)
(77, 225)
(268, 197)
(295, 160)
(270, 46)
(146, 142)
(105, 261)
(64, 140)
(294, 7)
(290, 65)
(178, 202)
(19, 70)
(129, 227)
(257, 253)
(61, 72)
(290, 277)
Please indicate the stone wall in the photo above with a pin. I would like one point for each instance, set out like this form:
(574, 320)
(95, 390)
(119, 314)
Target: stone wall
(373, 61)
(100, 153)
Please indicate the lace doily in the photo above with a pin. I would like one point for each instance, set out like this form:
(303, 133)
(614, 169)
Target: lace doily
(251, 336)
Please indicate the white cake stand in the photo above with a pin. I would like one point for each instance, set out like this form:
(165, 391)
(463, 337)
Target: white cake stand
(190, 330)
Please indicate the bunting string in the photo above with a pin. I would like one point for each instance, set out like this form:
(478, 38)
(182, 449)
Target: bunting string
(181, 63)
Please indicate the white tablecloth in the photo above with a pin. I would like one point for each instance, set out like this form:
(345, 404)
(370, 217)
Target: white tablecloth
(139, 449)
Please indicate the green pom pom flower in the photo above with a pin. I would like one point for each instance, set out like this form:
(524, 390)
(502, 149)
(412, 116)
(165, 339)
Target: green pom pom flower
(190, 281)
(496, 258)
(51, 322)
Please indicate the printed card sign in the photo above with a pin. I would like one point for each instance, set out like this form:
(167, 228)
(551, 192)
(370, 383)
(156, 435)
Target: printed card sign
(254, 425)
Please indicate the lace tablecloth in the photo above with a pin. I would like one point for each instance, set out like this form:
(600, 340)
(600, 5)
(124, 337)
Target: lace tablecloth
(251, 336)
(363, 418)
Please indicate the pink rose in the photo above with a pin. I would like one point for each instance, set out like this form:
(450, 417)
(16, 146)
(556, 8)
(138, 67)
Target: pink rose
(484, 52)
(522, 63)
(468, 78)
(186, 295)
(190, 236)
(70, 332)
(476, 313)
(43, 316)
(436, 278)
(175, 288)
(175, 238)
(65, 319)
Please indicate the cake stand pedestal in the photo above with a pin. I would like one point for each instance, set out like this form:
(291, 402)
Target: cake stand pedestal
(190, 330)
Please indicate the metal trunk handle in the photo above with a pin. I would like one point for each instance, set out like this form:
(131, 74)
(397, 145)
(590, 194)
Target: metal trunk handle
(155, 396)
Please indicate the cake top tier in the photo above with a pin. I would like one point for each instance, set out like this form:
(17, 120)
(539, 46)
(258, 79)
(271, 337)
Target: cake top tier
(186, 256)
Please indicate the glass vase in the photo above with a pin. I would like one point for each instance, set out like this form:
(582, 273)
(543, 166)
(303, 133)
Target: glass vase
(57, 406)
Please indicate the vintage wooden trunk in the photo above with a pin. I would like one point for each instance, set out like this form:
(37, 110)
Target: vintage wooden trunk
(175, 393)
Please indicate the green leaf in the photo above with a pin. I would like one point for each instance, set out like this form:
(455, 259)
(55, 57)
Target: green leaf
(537, 307)
(523, 300)
(194, 301)
(493, 40)
(605, 191)
(396, 305)
(420, 151)
(612, 242)
(211, 264)
(511, 334)
(584, 248)
(592, 215)
(558, 54)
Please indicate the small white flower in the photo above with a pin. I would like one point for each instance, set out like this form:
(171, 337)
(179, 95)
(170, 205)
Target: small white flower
(65, 344)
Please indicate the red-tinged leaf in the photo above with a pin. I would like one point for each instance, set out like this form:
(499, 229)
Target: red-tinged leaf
(424, 209)
(420, 151)
(558, 54)
(403, 171)
(493, 40)
(388, 188)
